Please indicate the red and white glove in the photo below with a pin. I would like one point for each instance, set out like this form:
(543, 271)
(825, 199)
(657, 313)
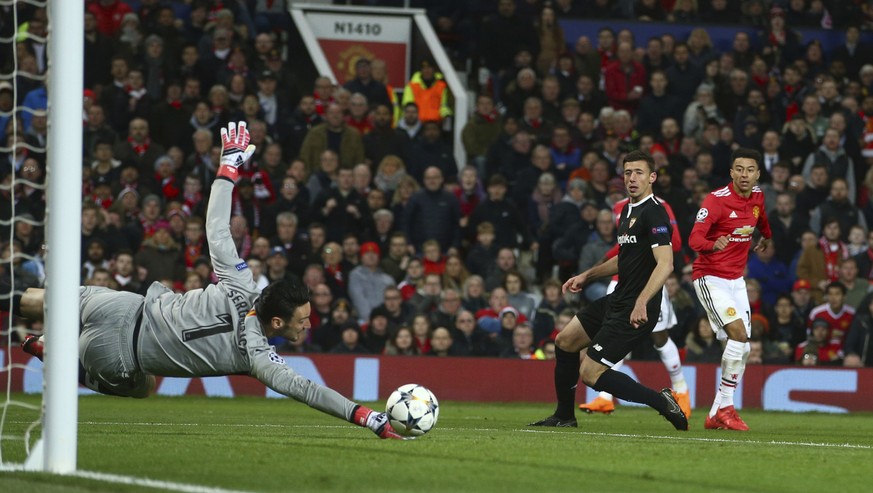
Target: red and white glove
(235, 150)
(376, 422)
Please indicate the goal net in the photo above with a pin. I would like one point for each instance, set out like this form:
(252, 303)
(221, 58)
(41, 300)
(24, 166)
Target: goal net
(40, 198)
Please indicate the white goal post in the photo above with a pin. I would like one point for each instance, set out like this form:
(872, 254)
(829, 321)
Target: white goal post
(419, 17)
(63, 230)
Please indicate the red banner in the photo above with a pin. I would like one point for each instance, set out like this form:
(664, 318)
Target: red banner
(344, 38)
(365, 378)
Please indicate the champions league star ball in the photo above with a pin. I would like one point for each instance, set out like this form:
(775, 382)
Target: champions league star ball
(412, 410)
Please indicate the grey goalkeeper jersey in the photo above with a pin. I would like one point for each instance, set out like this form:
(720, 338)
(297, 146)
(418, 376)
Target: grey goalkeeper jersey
(214, 331)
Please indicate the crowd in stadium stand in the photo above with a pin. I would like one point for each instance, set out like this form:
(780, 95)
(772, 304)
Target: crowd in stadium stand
(354, 187)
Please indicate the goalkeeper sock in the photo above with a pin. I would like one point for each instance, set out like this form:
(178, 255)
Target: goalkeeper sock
(566, 380)
(625, 387)
(362, 416)
(669, 354)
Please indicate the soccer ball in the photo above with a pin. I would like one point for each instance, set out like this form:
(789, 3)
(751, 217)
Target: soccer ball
(413, 410)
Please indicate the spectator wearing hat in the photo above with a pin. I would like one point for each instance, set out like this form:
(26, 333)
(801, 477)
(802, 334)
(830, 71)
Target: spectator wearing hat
(367, 282)
(818, 349)
(504, 215)
(277, 265)
(333, 134)
(801, 299)
(363, 83)
(273, 103)
(429, 91)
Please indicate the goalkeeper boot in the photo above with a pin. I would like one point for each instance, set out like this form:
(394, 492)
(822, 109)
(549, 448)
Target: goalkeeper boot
(673, 413)
(726, 419)
(33, 345)
(684, 401)
(556, 422)
(598, 405)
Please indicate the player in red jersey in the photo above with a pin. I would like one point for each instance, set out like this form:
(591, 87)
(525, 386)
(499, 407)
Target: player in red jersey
(722, 236)
(665, 346)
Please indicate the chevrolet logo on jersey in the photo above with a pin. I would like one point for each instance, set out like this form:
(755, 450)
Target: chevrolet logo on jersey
(744, 231)
(623, 239)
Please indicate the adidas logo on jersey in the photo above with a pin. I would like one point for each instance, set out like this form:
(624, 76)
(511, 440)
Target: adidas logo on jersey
(733, 215)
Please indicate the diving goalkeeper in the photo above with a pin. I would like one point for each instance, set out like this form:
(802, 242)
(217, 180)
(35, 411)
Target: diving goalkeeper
(126, 339)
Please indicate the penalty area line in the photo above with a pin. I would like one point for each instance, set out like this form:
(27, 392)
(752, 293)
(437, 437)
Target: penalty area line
(134, 481)
(701, 439)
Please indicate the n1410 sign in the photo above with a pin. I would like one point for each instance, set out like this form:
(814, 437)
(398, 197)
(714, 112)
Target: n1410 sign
(361, 28)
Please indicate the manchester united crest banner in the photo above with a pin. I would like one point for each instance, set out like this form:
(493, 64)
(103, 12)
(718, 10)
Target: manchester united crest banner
(345, 38)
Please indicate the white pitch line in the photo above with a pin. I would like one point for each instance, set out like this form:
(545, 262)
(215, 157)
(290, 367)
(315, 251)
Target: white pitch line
(241, 425)
(131, 480)
(699, 439)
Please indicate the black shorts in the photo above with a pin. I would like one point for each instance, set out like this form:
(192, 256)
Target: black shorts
(611, 333)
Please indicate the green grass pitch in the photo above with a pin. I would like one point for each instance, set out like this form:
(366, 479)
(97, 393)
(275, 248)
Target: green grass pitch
(256, 444)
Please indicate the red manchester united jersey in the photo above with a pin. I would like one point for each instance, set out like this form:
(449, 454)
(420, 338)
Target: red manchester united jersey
(839, 322)
(727, 213)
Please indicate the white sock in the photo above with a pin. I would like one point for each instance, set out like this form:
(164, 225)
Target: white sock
(732, 367)
(607, 395)
(670, 357)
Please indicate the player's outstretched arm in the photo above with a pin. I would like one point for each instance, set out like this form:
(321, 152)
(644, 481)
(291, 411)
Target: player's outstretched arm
(235, 151)
(270, 369)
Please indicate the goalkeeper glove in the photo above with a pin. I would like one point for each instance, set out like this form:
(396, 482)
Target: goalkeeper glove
(235, 150)
(376, 422)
